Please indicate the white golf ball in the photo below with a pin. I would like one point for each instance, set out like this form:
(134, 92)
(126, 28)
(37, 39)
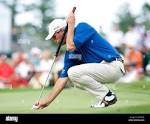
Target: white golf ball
(34, 107)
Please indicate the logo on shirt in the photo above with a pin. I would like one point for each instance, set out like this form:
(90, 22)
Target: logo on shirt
(92, 41)
(63, 71)
(75, 56)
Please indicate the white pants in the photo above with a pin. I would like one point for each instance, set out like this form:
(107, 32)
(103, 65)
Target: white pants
(93, 76)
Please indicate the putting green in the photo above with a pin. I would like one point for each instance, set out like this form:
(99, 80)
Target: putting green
(132, 98)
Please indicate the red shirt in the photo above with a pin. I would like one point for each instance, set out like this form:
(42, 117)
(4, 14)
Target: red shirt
(6, 71)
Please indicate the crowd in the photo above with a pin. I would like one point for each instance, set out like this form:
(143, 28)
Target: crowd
(28, 69)
(134, 46)
(31, 69)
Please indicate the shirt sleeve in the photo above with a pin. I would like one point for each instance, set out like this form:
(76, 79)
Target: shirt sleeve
(83, 32)
(68, 62)
(64, 71)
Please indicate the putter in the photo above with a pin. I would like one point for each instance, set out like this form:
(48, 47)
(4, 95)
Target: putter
(57, 52)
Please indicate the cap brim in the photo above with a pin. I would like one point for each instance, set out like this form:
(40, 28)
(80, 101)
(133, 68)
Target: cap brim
(49, 36)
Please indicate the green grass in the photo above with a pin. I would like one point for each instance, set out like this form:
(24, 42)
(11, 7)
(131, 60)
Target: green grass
(132, 98)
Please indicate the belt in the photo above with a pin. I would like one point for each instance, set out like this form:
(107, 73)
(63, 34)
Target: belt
(119, 59)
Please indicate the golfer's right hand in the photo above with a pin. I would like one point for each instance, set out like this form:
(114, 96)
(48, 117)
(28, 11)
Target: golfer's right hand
(39, 105)
(71, 19)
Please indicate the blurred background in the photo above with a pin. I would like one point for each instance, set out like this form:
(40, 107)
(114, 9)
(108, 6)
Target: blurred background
(25, 56)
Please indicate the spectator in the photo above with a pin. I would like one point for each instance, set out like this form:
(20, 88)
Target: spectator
(116, 38)
(25, 68)
(147, 63)
(59, 66)
(132, 37)
(6, 72)
(42, 71)
(35, 80)
(17, 81)
(133, 64)
(35, 56)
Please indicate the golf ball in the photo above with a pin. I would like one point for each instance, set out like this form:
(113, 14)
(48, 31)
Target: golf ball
(34, 107)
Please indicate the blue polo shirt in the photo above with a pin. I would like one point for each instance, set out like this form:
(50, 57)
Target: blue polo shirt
(90, 48)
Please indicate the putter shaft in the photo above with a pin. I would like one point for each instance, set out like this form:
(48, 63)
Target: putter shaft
(46, 79)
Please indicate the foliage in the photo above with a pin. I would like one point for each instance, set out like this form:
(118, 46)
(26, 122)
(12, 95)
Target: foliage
(145, 16)
(35, 31)
(126, 19)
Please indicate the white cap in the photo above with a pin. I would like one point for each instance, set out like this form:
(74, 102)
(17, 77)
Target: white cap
(54, 26)
(35, 50)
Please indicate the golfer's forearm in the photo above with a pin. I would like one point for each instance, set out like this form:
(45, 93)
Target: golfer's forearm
(59, 86)
(69, 39)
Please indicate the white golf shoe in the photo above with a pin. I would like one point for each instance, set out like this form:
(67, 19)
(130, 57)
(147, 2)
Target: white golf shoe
(98, 105)
(109, 99)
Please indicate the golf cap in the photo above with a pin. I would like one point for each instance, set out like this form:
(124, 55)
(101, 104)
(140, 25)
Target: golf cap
(54, 26)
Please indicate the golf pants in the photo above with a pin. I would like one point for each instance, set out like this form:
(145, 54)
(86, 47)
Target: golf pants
(93, 76)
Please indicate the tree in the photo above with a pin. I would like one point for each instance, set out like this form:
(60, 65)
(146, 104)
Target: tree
(125, 18)
(145, 16)
(12, 5)
(43, 7)
(42, 11)
(46, 11)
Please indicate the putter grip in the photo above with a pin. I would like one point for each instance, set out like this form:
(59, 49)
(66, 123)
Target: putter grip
(73, 10)
(62, 39)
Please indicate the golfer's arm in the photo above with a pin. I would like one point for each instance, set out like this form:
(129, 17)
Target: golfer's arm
(59, 86)
(69, 39)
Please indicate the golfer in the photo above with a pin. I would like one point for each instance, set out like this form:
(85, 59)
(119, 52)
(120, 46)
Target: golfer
(90, 61)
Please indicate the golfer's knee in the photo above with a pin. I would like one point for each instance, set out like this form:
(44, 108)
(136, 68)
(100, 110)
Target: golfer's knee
(70, 72)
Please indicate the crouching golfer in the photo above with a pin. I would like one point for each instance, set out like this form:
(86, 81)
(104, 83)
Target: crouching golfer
(90, 61)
